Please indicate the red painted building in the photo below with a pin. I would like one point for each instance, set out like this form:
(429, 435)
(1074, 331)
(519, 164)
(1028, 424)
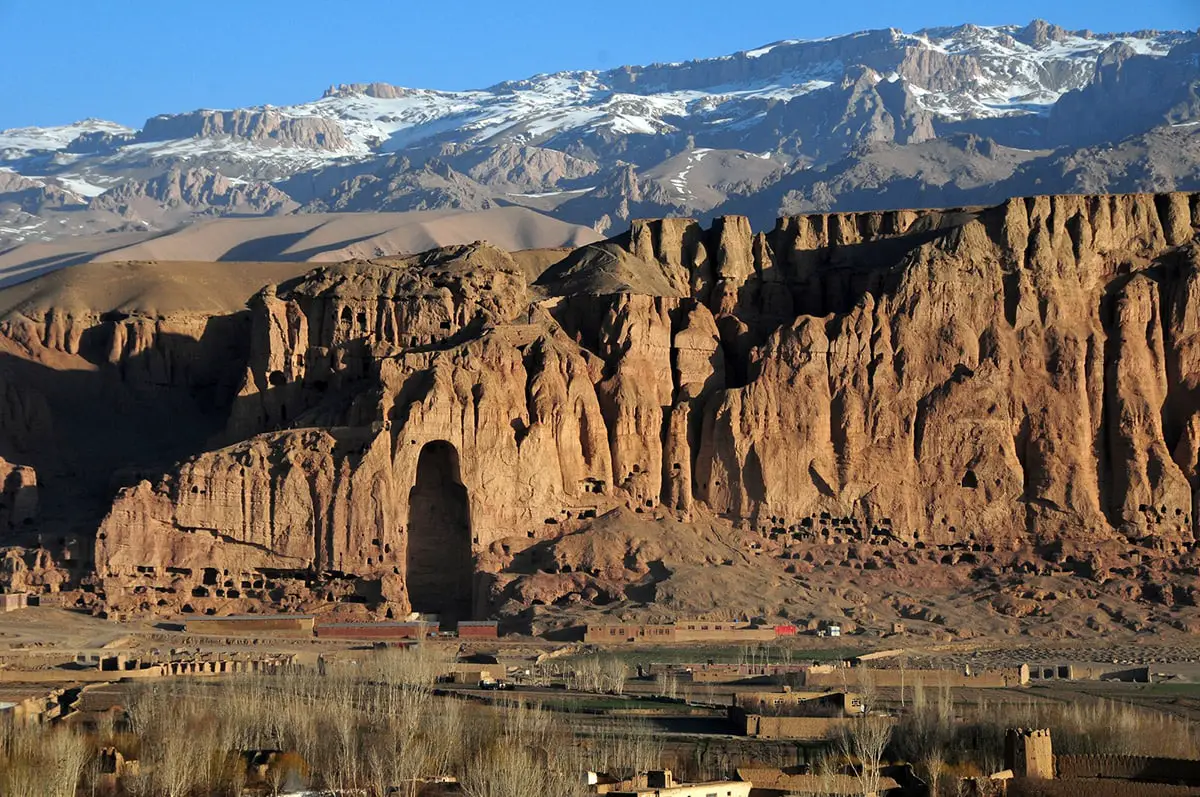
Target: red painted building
(478, 629)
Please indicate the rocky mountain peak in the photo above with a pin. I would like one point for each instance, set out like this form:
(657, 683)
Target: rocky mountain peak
(1040, 33)
(782, 117)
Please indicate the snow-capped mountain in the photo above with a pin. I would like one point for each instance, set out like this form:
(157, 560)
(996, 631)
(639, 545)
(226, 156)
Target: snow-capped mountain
(757, 130)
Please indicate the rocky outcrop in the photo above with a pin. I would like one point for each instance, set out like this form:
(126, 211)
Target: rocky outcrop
(383, 91)
(33, 196)
(518, 168)
(1129, 93)
(264, 127)
(394, 186)
(197, 189)
(1011, 378)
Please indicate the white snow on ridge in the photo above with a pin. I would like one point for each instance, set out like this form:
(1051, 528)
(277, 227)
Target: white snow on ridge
(540, 107)
(81, 187)
(761, 51)
(32, 139)
(1013, 78)
(1017, 77)
(555, 193)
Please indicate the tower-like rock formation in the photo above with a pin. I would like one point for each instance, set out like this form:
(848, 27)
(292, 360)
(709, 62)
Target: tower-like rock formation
(1003, 377)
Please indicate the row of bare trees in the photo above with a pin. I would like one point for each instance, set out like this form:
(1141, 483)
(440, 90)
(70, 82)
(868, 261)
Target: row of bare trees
(37, 762)
(945, 738)
(373, 728)
(600, 674)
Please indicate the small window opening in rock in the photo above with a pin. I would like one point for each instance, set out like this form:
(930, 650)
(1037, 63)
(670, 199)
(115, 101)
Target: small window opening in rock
(969, 480)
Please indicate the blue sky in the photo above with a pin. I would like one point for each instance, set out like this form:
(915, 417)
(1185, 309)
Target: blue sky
(126, 60)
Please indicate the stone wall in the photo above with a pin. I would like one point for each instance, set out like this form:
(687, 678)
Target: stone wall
(1124, 767)
(798, 728)
(831, 677)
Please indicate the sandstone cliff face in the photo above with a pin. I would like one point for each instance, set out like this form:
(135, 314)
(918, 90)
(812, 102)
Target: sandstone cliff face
(1015, 377)
(18, 497)
(264, 127)
(92, 401)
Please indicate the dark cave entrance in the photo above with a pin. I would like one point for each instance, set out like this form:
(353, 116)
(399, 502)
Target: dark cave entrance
(440, 564)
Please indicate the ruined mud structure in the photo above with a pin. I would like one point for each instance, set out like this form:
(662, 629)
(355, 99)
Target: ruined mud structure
(393, 433)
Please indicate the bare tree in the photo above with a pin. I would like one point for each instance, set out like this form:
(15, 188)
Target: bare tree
(865, 741)
(616, 672)
(668, 684)
(933, 761)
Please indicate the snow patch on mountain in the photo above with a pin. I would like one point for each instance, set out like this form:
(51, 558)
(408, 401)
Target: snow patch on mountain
(1016, 77)
(1012, 77)
(21, 142)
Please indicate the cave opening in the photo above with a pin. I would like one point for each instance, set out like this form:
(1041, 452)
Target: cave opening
(440, 563)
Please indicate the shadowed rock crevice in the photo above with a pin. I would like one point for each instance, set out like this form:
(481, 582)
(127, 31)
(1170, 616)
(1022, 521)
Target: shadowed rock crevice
(439, 565)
